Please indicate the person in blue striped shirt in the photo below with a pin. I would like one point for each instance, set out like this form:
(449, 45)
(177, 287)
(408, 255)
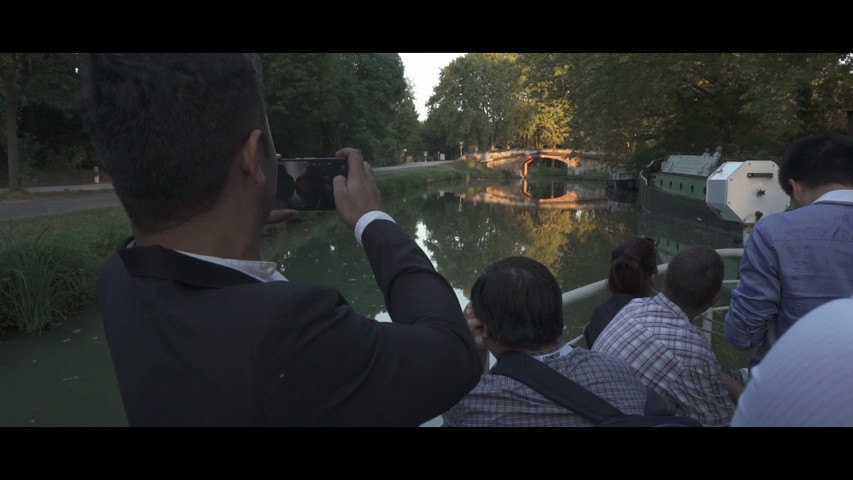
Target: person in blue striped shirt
(797, 260)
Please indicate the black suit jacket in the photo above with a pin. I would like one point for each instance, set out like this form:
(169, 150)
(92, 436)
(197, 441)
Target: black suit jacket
(602, 315)
(199, 344)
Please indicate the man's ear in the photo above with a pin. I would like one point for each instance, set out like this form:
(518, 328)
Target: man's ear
(250, 162)
(477, 327)
(480, 332)
(796, 190)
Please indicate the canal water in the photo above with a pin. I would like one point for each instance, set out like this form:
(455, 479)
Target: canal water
(65, 378)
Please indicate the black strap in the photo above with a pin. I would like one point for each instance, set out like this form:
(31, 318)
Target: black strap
(553, 385)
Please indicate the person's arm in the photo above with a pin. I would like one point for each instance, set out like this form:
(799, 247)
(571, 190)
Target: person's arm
(756, 298)
(705, 395)
(414, 368)
(734, 387)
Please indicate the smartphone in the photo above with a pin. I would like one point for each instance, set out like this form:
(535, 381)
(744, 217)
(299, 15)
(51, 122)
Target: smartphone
(306, 183)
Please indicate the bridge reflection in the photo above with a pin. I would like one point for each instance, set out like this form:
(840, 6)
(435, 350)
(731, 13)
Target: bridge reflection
(558, 194)
(517, 162)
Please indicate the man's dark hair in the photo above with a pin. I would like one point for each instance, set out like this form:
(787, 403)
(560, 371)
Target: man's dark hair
(818, 159)
(633, 261)
(694, 277)
(520, 302)
(166, 126)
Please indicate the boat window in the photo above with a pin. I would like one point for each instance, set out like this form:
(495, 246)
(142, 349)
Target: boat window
(691, 188)
(680, 186)
(670, 184)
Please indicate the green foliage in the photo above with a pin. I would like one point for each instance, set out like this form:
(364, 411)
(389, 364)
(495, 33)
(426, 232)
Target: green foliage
(302, 89)
(627, 103)
(623, 104)
(479, 100)
(544, 122)
(749, 103)
(48, 265)
(42, 280)
(320, 102)
(38, 91)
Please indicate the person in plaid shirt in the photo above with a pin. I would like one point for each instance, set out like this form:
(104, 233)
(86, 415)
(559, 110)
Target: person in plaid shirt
(655, 335)
(516, 304)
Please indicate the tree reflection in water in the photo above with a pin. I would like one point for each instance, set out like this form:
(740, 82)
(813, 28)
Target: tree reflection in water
(568, 226)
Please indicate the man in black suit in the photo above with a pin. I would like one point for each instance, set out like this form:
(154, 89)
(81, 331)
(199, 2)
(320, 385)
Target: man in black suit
(204, 332)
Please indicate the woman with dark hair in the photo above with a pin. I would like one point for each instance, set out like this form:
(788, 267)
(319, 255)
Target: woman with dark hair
(633, 271)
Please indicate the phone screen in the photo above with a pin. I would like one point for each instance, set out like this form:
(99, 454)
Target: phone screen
(306, 183)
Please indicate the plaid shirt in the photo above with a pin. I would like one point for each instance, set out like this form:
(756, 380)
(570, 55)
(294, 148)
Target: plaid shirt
(501, 401)
(672, 356)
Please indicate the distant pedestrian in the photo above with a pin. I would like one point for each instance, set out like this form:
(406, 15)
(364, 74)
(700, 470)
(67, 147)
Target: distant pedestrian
(718, 154)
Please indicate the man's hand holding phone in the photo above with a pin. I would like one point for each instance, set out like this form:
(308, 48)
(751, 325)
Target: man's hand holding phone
(306, 183)
(356, 193)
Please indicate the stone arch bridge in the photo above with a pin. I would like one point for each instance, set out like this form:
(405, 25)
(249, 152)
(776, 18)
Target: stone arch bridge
(517, 161)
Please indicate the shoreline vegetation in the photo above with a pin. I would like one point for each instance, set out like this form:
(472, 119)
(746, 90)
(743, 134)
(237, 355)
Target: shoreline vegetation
(48, 265)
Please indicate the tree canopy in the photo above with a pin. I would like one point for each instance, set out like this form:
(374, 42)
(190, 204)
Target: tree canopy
(631, 106)
(640, 104)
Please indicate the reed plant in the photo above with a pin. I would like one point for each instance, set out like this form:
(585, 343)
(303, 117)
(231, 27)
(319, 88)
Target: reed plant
(48, 266)
(42, 280)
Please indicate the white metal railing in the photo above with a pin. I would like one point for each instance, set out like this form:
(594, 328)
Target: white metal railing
(597, 288)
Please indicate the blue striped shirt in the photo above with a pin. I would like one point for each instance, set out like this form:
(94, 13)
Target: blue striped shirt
(792, 263)
(806, 380)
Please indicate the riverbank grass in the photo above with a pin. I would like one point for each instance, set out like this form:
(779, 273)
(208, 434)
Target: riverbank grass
(48, 265)
(42, 281)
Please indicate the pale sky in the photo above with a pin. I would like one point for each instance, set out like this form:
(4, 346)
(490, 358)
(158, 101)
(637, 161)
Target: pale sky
(423, 69)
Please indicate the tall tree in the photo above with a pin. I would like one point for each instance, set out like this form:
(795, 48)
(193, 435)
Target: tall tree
(319, 102)
(750, 103)
(477, 100)
(30, 77)
(791, 94)
(547, 111)
(303, 93)
(380, 112)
